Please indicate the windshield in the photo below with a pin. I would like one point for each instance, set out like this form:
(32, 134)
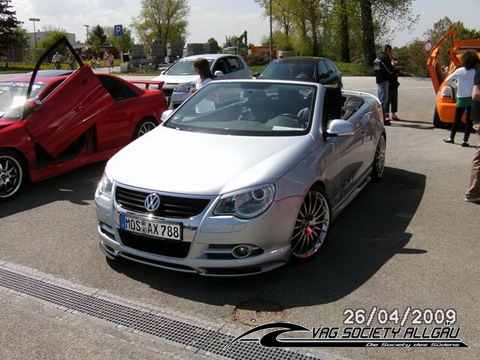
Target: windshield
(13, 97)
(289, 70)
(253, 108)
(183, 67)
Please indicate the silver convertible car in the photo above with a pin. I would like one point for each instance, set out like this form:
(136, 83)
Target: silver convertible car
(241, 178)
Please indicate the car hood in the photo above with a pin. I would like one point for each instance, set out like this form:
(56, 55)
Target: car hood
(5, 123)
(204, 164)
(172, 81)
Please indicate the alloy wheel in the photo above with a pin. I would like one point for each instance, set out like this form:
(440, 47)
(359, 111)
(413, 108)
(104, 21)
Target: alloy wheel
(379, 160)
(311, 226)
(11, 175)
(144, 127)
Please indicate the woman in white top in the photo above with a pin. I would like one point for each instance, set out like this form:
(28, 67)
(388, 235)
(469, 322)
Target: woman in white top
(462, 80)
(202, 68)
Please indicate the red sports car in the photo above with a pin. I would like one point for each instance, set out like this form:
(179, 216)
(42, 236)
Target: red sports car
(53, 121)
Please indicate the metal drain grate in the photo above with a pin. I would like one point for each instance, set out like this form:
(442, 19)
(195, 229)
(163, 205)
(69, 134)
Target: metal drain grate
(196, 338)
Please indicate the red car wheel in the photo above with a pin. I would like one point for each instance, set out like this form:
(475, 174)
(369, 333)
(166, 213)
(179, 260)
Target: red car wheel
(12, 174)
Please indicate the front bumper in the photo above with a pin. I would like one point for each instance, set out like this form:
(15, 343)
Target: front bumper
(446, 111)
(208, 241)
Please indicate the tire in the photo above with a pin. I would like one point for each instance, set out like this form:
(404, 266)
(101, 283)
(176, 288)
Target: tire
(378, 166)
(312, 225)
(143, 127)
(12, 174)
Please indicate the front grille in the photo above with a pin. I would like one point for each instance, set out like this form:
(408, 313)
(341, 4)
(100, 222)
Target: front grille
(171, 206)
(171, 248)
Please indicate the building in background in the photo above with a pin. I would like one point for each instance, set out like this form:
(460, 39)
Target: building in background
(40, 35)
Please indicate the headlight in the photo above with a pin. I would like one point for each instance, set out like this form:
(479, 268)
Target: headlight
(447, 92)
(105, 187)
(184, 89)
(248, 204)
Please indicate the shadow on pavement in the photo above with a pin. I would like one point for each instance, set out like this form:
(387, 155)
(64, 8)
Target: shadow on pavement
(77, 186)
(364, 237)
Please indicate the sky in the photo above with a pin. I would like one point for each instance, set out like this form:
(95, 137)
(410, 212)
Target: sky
(214, 18)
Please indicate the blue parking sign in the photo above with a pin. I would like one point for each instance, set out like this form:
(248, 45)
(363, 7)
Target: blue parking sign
(118, 30)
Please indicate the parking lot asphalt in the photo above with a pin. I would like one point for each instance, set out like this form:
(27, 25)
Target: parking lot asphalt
(409, 242)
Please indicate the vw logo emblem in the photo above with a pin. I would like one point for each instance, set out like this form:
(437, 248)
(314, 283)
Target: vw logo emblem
(152, 202)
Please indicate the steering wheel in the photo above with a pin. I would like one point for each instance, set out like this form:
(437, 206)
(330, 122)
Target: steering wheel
(246, 114)
(289, 115)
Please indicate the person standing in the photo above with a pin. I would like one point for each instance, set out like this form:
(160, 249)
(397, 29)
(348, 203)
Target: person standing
(108, 58)
(473, 191)
(392, 103)
(56, 60)
(202, 68)
(383, 71)
(71, 61)
(462, 79)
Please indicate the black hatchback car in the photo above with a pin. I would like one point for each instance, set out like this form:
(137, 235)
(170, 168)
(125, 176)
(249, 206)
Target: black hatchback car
(316, 69)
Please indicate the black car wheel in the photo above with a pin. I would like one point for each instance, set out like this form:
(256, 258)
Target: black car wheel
(143, 127)
(312, 225)
(12, 174)
(379, 160)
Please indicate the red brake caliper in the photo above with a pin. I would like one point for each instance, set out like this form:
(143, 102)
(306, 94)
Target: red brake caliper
(308, 231)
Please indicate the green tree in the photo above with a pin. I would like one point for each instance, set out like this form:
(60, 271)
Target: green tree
(214, 43)
(97, 36)
(163, 20)
(413, 57)
(284, 18)
(54, 34)
(298, 23)
(20, 37)
(445, 24)
(8, 26)
(368, 31)
(346, 29)
(123, 43)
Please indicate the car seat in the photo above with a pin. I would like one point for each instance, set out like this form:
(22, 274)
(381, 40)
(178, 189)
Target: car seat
(257, 107)
(221, 67)
(352, 104)
(290, 101)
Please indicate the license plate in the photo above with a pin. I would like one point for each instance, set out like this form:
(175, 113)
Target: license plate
(159, 230)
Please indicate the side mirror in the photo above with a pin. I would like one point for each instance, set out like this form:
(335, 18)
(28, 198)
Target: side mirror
(166, 114)
(218, 73)
(32, 104)
(340, 127)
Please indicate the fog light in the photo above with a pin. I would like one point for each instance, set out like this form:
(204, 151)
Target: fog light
(241, 251)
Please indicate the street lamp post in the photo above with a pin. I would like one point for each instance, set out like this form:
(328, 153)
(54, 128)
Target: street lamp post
(271, 32)
(86, 28)
(34, 20)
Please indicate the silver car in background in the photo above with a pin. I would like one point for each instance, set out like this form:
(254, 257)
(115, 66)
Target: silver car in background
(242, 177)
(180, 77)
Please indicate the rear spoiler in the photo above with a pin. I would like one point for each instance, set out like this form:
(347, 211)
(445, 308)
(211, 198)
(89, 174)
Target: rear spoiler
(147, 83)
